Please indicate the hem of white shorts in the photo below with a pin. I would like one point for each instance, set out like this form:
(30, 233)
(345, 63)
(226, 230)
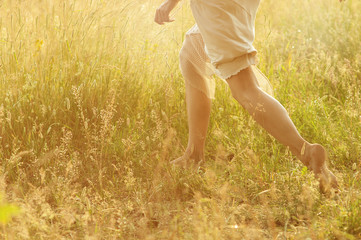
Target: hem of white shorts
(230, 69)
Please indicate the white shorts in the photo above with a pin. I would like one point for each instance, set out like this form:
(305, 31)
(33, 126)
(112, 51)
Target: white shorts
(228, 30)
(221, 43)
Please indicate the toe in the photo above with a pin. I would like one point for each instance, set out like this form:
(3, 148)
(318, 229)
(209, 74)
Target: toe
(328, 182)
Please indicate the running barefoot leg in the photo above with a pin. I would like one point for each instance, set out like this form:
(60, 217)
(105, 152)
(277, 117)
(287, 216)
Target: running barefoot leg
(192, 61)
(273, 117)
(198, 109)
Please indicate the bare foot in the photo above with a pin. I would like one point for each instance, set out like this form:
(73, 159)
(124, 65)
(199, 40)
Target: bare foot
(315, 158)
(187, 161)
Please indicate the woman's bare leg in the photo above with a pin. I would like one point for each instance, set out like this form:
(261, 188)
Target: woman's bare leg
(198, 109)
(273, 117)
(192, 61)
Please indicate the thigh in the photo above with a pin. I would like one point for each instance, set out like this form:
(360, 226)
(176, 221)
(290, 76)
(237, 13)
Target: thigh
(195, 64)
(192, 54)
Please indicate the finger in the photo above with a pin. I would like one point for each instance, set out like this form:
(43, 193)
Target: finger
(160, 18)
(167, 18)
(159, 21)
(163, 16)
(157, 18)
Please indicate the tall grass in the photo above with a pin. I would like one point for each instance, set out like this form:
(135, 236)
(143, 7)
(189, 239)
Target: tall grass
(92, 109)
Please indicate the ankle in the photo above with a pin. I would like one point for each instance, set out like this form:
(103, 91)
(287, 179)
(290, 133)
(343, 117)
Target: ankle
(194, 153)
(304, 153)
(314, 157)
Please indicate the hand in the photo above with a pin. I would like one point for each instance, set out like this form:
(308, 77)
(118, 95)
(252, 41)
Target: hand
(162, 13)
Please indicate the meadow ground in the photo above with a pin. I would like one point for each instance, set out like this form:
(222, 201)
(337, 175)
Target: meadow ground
(92, 110)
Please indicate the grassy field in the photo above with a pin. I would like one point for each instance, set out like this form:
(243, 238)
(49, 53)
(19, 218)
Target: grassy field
(92, 110)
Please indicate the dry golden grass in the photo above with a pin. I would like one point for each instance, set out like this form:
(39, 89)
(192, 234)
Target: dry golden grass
(92, 110)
